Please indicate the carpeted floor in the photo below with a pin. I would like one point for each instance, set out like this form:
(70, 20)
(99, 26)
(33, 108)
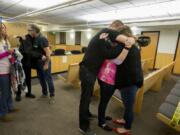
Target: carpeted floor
(37, 117)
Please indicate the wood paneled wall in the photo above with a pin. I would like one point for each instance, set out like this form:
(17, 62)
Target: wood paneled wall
(68, 47)
(51, 38)
(15, 29)
(162, 59)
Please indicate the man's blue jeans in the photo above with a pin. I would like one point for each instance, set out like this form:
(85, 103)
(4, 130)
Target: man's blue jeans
(128, 95)
(6, 103)
(45, 78)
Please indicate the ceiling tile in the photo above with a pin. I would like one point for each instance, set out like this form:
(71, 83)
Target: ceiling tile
(107, 8)
(97, 3)
(113, 1)
(123, 5)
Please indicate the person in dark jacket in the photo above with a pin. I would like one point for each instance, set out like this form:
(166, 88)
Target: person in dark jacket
(129, 77)
(106, 79)
(98, 50)
(25, 49)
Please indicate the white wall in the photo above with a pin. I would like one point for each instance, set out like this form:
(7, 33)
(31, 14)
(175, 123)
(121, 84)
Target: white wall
(168, 41)
(70, 38)
(57, 37)
(86, 36)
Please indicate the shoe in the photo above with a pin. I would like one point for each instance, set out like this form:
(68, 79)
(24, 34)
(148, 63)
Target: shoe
(18, 98)
(106, 127)
(14, 110)
(87, 132)
(118, 122)
(5, 118)
(108, 118)
(51, 100)
(30, 95)
(92, 116)
(123, 132)
(43, 96)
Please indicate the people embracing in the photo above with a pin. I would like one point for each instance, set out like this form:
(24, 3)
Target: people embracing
(123, 73)
(106, 77)
(99, 49)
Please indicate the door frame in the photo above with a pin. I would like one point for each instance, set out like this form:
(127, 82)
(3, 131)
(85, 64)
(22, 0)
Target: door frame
(178, 40)
(156, 46)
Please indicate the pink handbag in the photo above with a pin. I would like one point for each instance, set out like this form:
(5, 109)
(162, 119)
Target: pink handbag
(107, 72)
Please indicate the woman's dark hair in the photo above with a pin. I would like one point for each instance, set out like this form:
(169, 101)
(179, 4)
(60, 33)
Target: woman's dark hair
(20, 39)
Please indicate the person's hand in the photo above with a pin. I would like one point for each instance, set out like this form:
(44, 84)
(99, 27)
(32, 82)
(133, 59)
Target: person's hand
(43, 58)
(10, 51)
(46, 66)
(23, 37)
(104, 36)
(130, 41)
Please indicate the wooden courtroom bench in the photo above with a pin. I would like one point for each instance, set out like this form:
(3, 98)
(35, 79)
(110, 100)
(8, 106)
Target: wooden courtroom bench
(169, 108)
(146, 64)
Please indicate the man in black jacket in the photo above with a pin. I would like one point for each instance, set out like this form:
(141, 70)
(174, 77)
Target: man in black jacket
(98, 50)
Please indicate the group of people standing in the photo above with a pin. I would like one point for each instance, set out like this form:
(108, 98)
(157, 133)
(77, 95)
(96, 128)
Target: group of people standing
(34, 48)
(111, 57)
(114, 60)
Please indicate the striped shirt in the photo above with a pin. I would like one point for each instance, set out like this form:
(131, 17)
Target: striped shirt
(4, 62)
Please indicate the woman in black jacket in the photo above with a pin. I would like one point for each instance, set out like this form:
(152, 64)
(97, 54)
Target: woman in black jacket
(25, 49)
(129, 77)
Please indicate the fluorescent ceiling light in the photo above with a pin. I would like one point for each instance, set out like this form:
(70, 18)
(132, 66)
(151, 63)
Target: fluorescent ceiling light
(166, 9)
(39, 4)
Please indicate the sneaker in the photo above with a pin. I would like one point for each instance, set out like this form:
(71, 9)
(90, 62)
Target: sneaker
(30, 95)
(14, 110)
(87, 132)
(43, 97)
(92, 116)
(5, 118)
(106, 127)
(51, 100)
(18, 98)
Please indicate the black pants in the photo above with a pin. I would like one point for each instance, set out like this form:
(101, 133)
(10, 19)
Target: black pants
(106, 92)
(27, 71)
(87, 86)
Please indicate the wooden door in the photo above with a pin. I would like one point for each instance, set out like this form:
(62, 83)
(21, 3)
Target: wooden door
(150, 51)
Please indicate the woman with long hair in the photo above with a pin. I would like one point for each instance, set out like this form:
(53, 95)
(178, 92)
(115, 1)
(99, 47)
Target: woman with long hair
(6, 102)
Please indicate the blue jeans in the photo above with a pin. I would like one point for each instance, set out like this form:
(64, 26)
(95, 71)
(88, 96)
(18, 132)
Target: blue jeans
(128, 95)
(6, 103)
(45, 78)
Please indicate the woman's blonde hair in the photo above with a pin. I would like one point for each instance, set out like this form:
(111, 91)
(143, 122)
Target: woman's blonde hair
(1, 36)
